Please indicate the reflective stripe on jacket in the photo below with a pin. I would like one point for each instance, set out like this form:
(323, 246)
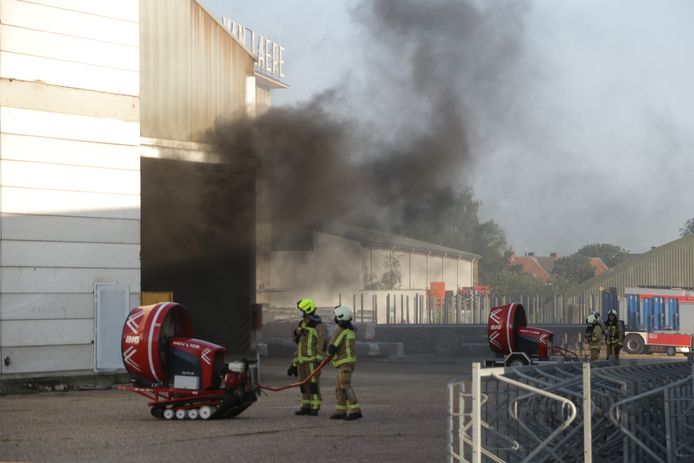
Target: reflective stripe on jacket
(615, 333)
(345, 342)
(596, 337)
(310, 347)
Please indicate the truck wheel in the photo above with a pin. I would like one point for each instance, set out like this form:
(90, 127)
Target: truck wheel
(633, 344)
(445, 345)
(415, 344)
(516, 359)
(670, 351)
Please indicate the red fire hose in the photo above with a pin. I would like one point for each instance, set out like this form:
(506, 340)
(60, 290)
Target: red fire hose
(298, 383)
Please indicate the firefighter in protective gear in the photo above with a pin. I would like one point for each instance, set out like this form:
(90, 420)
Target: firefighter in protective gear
(342, 347)
(614, 335)
(593, 335)
(309, 336)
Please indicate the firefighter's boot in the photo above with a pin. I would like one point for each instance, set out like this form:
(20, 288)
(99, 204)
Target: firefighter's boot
(353, 416)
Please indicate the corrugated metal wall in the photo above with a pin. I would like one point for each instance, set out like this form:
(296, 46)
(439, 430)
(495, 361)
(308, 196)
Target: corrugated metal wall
(668, 265)
(70, 178)
(263, 100)
(193, 70)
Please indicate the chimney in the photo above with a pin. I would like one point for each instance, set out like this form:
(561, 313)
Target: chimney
(553, 255)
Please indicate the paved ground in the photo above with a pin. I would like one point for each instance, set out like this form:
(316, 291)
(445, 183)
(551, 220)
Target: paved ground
(404, 403)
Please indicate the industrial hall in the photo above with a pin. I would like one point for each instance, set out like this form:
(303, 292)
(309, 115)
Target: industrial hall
(110, 196)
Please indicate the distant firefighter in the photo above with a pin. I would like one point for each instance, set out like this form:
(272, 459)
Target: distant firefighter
(309, 336)
(614, 335)
(593, 335)
(342, 348)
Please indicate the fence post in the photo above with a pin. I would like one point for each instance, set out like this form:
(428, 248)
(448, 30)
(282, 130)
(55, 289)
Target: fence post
(451, 416)
(402, 307)
(361, 298)
(388, 308)
(374, 308)
(587, 409)
(668, 425)
(476, 414)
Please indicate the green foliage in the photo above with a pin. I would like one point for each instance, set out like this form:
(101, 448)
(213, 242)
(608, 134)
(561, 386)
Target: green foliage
(451, 218)
(515, 283)
(573, 269)
(391, 278)
(688, 228)
(610, 254)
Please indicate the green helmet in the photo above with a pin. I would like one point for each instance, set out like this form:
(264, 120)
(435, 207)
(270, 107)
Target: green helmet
(307, 306)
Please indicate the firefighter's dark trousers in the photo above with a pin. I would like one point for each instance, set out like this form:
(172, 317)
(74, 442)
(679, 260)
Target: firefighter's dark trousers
(310, 392)
(613, 350)
(594, 353)
(347, 401)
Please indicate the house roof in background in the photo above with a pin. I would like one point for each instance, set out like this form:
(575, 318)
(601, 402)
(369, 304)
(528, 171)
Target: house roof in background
(541, 266)
(598, 265)
(530, 265)
(546, 262)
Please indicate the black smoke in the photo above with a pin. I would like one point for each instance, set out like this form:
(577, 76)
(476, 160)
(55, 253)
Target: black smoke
(373, 153)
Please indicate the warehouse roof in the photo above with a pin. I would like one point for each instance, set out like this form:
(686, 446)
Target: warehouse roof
(671, 264)
(378, 238)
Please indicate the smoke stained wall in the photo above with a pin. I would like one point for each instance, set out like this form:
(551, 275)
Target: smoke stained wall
(198, 227)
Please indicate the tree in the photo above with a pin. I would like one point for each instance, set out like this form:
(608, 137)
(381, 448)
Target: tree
(610, 254)
(688, 228)
(514, 284)
(451, 218)
(390, 279)
(573, 269)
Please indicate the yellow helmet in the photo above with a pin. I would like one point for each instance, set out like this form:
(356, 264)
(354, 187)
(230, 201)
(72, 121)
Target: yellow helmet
(307, 306)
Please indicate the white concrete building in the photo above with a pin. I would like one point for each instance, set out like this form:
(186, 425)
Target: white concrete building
(100, 103)
(344, 259)
(69, 180)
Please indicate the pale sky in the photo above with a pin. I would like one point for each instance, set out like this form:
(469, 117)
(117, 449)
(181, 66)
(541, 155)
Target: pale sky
(589, 139)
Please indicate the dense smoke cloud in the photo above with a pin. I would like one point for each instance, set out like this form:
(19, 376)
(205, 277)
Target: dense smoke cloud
(397, 140)
(578, 120)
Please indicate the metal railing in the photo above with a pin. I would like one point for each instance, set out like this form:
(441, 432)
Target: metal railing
(573, 412)
(420, 307)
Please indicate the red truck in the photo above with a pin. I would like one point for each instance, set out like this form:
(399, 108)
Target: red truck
(657, 320)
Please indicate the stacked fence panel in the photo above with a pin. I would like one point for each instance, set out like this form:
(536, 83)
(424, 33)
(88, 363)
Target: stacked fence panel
(574, 412)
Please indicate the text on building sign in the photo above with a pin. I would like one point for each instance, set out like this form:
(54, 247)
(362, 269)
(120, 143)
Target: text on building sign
(268, 53)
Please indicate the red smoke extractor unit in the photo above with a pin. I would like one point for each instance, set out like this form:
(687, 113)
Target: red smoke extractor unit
(518, 343)
(182, 376)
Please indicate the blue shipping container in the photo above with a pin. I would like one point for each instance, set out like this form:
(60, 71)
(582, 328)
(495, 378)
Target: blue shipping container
(633, 315)
(658, 309)
(647, 314)
(673, 315)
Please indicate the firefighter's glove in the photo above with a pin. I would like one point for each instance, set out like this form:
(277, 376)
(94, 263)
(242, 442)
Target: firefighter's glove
(332, 349)
(292, 371)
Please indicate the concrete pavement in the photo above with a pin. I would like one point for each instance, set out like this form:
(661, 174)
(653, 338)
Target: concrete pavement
(405, 420)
